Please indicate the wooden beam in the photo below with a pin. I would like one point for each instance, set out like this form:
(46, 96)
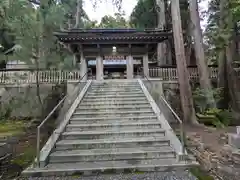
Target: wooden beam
(119, 50)
(114, 42)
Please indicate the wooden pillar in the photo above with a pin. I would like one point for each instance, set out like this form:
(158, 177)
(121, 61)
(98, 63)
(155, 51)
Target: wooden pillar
(129, 67)
(130, 64)
(169, 52)
(74, 62)
(99, 64)
(145, 65)
(99, 68)
(83, 67)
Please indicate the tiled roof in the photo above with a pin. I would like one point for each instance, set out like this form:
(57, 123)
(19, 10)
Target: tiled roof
(113, 35)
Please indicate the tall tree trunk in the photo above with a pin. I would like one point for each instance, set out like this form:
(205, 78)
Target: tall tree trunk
(38, 94)
(222, 80)
(183, 75)
(230, 56)
(199, 50)
(230, 48)
(169, 57)
(222, 64)
(161, 49)
(232, 79)
(188, 42)
(78, 13)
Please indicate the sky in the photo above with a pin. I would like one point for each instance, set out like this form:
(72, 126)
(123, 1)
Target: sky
(106, 8)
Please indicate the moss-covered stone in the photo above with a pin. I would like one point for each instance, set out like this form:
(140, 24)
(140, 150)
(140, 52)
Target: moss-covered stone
(24, 159)
(200, 174)
(11, 128)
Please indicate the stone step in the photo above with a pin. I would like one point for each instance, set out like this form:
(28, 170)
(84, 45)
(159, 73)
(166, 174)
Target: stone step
(115, 93)
(140, 153)
(114, 119)
(111, 90)
(113, 96)
(116, 82)
(113, 114)
(113, 109)
(112, 106)
(112, 143)
(120, 104)
(115, 85)
(113, 133)
(108, 120)
(88, 168)
(115, 90)
(113, 125)
(115, 100)
(124, 88)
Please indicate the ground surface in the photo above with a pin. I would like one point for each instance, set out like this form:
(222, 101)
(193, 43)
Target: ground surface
(140, 176)
(212, 138)
(210, 147)
(11, 128)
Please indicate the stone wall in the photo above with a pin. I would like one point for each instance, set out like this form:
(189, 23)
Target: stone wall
(223, 165)
(172, 95)
(18, 151)
(73, 90)
(158, 88)
(23, 102)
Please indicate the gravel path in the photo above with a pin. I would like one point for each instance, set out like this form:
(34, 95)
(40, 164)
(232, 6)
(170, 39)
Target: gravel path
(144, 176)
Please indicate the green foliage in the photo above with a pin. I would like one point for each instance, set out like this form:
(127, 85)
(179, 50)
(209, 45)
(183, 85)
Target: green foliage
(32, 29)
(144, 15)
(203, 99)
(70, 11)
(225, 117)
(6, 109)
(207, 114)
(10, 128)
(24, 159)
(118, 21)
(200, 175)
(216, 37)
(216, 117)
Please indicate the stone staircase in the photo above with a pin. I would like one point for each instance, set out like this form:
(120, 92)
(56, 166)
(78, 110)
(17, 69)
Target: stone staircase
(113, 128)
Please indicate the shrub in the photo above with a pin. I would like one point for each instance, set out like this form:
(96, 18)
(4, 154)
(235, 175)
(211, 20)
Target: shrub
(203, 99)
(216, 117)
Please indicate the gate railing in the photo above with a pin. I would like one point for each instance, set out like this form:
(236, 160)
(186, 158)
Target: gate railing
(55, 76)
(171, 73)
(44, 76)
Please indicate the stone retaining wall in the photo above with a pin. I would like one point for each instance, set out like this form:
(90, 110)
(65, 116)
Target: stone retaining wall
(13, 147)
(22, 102)
(224, 165)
